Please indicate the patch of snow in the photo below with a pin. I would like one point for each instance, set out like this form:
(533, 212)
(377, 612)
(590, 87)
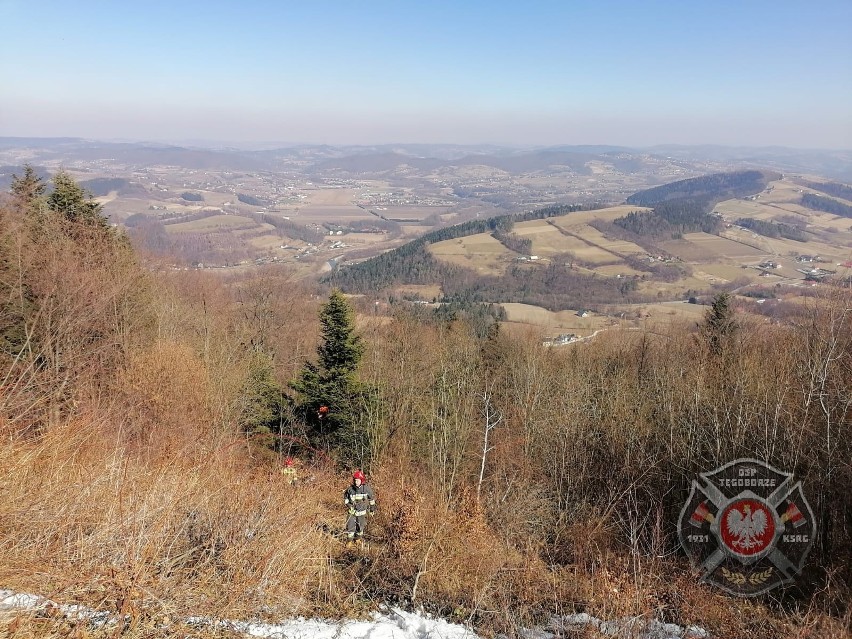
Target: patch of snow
(388, 623)
(629, 627)
(395, 623)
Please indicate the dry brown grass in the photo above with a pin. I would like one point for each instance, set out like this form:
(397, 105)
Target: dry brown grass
(197, 526)
(197, 529)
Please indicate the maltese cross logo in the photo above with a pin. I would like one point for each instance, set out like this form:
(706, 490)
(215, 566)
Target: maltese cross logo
(747, 527)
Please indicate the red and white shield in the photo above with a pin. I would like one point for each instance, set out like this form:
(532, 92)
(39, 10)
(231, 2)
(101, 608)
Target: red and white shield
(747, 527)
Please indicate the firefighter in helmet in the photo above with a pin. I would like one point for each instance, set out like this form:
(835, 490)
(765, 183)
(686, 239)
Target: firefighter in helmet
(360, 500)
(289, 471)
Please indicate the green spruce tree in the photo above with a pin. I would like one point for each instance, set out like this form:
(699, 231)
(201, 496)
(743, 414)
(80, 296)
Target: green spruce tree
(75, 203)
(719, 324)
(328, 394)
(262, 402)
(29, 188)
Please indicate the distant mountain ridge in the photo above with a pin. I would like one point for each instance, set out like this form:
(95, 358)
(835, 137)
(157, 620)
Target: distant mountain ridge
(835, 164)
(513, 164)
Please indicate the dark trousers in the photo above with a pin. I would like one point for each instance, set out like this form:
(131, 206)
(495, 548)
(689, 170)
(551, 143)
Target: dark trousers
(355, 525)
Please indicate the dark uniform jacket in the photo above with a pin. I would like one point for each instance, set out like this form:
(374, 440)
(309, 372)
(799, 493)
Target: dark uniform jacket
(361, 499)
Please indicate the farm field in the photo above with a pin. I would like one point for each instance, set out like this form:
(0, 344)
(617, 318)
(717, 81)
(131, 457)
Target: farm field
(548, 237)
(651, 317)
(480, 252)
(411, 230)
(826, 221)
(614, 270)
(257, 228)
(584, 217)
(704, 246)
(413, 213)
(268, 242)
(780, 200)
(735, 209)
(121, 209)
(319, 197)
(666, 312)
(549, 240)
(213, 223)
(329, 213)
(554, 322)
(362, 239)
(591, 234)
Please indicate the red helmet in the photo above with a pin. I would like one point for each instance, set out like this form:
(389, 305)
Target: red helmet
(359, 475)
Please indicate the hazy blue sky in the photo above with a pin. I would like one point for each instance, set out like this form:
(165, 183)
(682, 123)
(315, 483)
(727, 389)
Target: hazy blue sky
(637, 72)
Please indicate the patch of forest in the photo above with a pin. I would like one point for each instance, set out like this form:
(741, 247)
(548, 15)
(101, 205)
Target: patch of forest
(513, 241)
(717, 186)
(686, 206)
(288, 228)
(826, 205)
(830, 188)
(673, 218)
(552, 286)
(250, 200)
(773, 229)
(411, 263)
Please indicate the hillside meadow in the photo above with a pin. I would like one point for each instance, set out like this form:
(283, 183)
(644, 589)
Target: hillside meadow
(142, 465)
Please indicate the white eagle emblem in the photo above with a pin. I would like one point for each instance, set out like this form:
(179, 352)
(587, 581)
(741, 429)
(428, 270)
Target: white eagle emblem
(746, 526)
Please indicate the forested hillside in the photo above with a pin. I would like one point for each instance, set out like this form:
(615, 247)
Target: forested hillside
(554, 287)
(685, 206)
(826, 204)
(773, 229)
(830, 188)
(718, 186)
(147, 414)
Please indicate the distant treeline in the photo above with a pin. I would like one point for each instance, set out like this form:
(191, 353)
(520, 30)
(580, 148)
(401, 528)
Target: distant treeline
(176, 218)
(715, 187)
(773, 229)
(552, 286)
(192, 197)
(413, 264)
(288, 228)
(513, 242)
(830, 188)
(250, 200)
(686, 206)
(673, 218)
(826, 204)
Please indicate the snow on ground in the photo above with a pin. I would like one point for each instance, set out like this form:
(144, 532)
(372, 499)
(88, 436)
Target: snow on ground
(392, 623)
(388, 623)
